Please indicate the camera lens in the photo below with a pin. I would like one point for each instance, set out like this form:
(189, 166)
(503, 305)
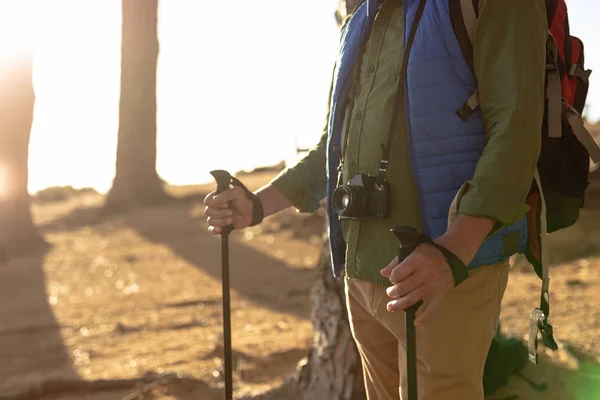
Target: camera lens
(347, 200)
(341, 200)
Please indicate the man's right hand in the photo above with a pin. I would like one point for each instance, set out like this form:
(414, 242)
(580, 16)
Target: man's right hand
(229, 207)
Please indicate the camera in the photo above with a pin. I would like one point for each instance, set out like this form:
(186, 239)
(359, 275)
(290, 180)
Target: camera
(361, 198)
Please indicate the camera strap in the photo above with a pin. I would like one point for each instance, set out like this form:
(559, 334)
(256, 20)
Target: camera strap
(398, 105)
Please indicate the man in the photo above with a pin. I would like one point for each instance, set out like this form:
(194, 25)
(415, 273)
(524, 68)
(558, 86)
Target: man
(463, 183)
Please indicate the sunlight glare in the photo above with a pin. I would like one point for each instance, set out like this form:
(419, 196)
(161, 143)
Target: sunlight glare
(15, 29)
(4, 175)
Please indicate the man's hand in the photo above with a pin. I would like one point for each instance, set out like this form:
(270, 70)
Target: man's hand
(424, 275)
(229, 207)
(234, 207)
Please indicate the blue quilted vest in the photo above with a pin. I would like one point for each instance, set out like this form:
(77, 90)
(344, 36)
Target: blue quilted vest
(444, 149)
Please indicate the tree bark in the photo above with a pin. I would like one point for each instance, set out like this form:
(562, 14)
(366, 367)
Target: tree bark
(18, 233)
(136, 181)
(332, 370)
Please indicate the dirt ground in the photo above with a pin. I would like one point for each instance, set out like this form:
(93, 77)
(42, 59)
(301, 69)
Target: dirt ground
(129, 306)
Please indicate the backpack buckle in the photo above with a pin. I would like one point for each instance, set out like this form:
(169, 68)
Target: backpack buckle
(548, 335)
(469, 106)
(577, 71)
(538, 322)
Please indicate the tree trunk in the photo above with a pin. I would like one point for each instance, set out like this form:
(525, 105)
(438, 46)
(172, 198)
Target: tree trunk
(333, 369)
(18, 233)
(136, 181)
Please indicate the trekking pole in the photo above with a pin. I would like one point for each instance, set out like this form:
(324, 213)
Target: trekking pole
(223, 181)
(409, 240)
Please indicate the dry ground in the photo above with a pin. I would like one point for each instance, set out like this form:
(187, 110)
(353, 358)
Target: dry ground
(131, 304)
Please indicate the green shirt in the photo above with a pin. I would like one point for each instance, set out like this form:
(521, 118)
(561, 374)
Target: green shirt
(509, 61)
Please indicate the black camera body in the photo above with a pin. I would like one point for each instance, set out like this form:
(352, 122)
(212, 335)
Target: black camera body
(361, 198)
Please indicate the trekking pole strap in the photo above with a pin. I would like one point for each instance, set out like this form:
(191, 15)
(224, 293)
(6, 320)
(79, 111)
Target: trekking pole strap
(258, 212)
(459, 270)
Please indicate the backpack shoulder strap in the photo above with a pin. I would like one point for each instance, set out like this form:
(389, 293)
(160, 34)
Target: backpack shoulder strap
(463, 14)
(469, 14)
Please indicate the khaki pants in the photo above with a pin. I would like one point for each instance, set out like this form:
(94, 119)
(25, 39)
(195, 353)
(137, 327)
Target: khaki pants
(451, 346)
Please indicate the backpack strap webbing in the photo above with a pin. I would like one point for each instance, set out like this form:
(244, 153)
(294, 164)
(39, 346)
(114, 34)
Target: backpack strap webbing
(538, 321)
(553, 89)
(577, 71)
(579, 130)
(463, 14)
(469, 15)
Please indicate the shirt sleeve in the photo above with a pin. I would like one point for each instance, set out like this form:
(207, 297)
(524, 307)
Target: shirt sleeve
(509, 62)
(305, 184)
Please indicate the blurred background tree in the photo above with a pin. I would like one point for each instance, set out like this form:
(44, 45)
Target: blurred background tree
(136, 181)
(18, 234)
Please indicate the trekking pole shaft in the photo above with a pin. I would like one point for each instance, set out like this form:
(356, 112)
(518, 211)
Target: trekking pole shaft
(226, 318)
(411, 353)
(223, 179)
(409, 240)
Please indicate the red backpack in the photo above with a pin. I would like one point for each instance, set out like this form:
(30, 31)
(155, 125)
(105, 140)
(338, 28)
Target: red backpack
(558, 190)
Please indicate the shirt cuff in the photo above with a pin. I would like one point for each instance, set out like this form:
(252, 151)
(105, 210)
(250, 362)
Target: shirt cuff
(498, 203)
(297, 191)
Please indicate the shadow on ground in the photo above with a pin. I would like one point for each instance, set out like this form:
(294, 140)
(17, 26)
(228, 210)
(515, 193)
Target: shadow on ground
(187, 237)
(569, 375)
(31, 345)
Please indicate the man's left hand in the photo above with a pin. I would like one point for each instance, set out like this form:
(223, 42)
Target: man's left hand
(424, 275)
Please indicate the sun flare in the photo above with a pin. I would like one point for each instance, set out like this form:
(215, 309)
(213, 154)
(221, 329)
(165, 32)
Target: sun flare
(15, 29)
(4, 177)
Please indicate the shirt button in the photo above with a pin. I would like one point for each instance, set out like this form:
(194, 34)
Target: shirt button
(382, 21)
(371, 69)
(359, 115)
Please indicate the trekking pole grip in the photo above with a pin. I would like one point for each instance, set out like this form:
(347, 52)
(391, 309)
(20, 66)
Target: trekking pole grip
(223, 179)
(408, 239)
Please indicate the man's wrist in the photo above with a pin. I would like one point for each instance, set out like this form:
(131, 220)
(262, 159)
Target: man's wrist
(466, 235)
(271, 200)
(453, 245)
(458, 268)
